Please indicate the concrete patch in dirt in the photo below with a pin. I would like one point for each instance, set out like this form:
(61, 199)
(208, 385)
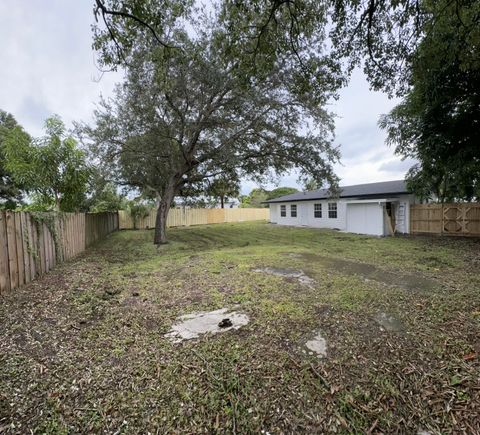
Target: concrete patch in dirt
(318, 345)
(194, 325)
(388, 322)
(287, 273)
(293, 255)
(408, 281)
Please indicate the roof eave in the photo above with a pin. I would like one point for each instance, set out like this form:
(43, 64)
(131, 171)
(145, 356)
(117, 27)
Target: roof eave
(367, 196)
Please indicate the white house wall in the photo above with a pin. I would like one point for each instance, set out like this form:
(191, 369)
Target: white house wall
(274, 213)
(305, 215)
(375, 218)
(326, 222)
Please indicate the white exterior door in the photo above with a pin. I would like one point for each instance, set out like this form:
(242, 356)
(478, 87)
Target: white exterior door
(365, 218)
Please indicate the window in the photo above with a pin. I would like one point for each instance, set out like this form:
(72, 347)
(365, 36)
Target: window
(283, 211)
(317, 210)
(332, 210)
(293, 210)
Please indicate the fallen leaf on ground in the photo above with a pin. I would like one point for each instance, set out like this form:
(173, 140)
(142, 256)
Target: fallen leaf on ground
(470, 356)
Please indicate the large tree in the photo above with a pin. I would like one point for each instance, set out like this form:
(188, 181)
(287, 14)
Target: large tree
(187, 114)
(438, 121)
(10, 190)
(50, 167)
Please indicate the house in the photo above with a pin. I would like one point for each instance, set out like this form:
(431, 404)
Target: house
(376, 208)
(230, 203)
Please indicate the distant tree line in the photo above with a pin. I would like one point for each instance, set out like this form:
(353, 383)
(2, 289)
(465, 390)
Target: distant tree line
(258, 197)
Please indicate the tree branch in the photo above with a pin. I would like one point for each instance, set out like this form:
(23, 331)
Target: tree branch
(105, 11)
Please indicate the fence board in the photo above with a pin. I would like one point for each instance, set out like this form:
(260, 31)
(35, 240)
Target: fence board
(455, 219)
(195, 216)
(4, 263)
(46, 246)
(41, 247)
(30, 246)
(26, 254)
(98, 226)
(19, 242)
(35, 244)
(12, 249)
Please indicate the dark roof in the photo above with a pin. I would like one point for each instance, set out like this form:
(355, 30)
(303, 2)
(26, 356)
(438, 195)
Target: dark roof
(370, 190)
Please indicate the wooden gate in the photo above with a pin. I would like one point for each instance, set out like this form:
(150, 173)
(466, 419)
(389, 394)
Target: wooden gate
(455, 219)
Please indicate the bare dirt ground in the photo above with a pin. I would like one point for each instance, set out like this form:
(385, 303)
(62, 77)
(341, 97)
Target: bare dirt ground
(395, 324)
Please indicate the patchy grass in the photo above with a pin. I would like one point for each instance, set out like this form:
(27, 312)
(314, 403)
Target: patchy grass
(83, 349)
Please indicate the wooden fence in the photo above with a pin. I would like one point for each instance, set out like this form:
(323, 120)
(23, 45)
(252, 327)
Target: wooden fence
(461, 219)
(99, 225)
(178, 217)
(31, 245)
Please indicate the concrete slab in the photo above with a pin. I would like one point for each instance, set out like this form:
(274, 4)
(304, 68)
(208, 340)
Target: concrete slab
(318, 344)
(191, 326)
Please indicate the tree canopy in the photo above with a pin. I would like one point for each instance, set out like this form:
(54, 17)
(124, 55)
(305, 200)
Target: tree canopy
(102, 195)
(50, 167)
(323, 39)
(10, 190)
(255, 199)
(281, 191)
(438, 121)
(258, 196)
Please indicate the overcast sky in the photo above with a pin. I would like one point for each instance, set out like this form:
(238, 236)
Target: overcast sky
(47, 66)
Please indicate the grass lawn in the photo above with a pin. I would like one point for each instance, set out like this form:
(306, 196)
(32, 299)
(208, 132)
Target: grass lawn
(83, 350)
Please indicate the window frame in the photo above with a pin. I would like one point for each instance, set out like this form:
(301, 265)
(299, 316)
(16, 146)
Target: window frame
(319, 211)
(332, 210)
(293, 210)
(283, 210)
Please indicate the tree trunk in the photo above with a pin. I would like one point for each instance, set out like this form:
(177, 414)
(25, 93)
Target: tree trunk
(57, 202)
(222, 201)
(162, 214)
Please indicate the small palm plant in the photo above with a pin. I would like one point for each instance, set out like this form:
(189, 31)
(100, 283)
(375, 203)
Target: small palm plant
(138, 211)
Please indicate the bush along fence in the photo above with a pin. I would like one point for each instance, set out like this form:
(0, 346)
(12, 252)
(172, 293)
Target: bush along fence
(31, 244)
(456, 219)
(178, 217)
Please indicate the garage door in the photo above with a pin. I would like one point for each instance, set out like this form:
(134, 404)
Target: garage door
(365, 219)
